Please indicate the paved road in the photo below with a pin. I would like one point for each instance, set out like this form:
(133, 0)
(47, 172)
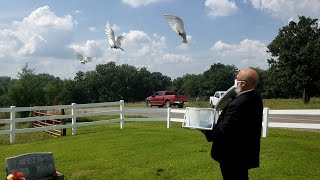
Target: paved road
(162, 112)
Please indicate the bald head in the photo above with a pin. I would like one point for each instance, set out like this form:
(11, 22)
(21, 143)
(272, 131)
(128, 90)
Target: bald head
(249, 75)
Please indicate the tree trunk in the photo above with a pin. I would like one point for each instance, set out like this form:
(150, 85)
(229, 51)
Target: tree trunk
(306, 97)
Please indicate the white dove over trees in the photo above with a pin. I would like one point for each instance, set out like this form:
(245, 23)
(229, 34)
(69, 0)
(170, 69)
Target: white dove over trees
(82, 59)
(177, 25)
(115, 42)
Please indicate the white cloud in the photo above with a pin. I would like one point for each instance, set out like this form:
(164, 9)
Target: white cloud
(139, 44)
(140, 50)
(246, 53)
(45, 41)
(43, 17)
(136, 36)
(137, 3)
(174, 58)
(35, 39)
(218, 8)
(89, 48)
(93, 29)
(40, 32)
(32, 44)
(288, 9)
(9, 44)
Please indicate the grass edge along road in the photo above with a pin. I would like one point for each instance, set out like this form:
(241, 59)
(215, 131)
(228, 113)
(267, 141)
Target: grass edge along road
(148, 150)
(270, 103)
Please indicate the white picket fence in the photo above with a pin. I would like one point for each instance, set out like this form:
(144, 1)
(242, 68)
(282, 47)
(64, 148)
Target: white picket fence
(267, 112)
(76, 112)
(265, 120)
(74, 115)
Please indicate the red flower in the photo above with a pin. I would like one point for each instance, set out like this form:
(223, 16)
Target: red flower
(16, 176)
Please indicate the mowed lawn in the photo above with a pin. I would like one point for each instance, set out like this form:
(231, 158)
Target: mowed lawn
(148, 150)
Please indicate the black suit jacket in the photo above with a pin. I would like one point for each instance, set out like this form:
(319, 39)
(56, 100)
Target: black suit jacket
(236, 136)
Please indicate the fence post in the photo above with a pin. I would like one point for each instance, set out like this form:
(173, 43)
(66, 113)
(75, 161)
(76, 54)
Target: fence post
(12, 124)
(168, 117)
(74, 118)
(121, 114)
(63, 121)
(265, 122)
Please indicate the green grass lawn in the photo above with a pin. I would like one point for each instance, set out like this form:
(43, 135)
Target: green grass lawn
(291, 103)
(148, 150)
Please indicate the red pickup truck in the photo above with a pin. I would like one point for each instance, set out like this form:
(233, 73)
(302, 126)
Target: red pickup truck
(166, 98)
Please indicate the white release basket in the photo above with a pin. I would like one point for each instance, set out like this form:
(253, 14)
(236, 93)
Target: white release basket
(199, 118)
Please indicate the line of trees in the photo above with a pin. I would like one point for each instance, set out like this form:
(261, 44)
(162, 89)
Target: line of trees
(293, 73)
(108, 82)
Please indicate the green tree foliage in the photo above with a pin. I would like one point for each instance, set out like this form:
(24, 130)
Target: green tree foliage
(177, 84)
(111, 82)
(52, 92)
(4, 87)
(46, 81)
(32, 89)
(262, 86)
(143, 84)
(294, 66)
(88, 86)
(26, 91)
(189, 84)
(218, 77)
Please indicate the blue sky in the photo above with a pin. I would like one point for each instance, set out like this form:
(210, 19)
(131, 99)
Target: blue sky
(45, 34)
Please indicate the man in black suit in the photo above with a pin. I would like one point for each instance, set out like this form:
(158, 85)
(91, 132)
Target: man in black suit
(236, 136)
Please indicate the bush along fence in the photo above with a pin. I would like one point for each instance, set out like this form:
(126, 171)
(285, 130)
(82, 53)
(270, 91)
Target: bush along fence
(107, 108)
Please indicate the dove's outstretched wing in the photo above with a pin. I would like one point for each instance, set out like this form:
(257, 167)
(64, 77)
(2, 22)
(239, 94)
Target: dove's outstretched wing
(79, 56)
(82, 59)
(177, 25)
(109, 32)
(114, 42)
(89, 59)
(119, 40)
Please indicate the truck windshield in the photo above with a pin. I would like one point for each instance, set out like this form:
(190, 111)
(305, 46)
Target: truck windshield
(160, 93)
(169, 93)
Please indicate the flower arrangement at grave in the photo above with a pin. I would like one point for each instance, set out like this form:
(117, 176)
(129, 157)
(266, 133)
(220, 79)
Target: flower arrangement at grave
(16, 176)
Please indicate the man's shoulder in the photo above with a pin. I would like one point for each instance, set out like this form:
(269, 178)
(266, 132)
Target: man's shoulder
(247, 96)
(252, 93)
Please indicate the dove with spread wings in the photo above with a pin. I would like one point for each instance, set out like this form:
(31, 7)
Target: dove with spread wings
(115, 42)
(177, 25)
(83, 59)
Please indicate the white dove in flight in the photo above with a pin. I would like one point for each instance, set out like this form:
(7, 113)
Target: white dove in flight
(177, 25)
(115, 42)
(82, 59)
